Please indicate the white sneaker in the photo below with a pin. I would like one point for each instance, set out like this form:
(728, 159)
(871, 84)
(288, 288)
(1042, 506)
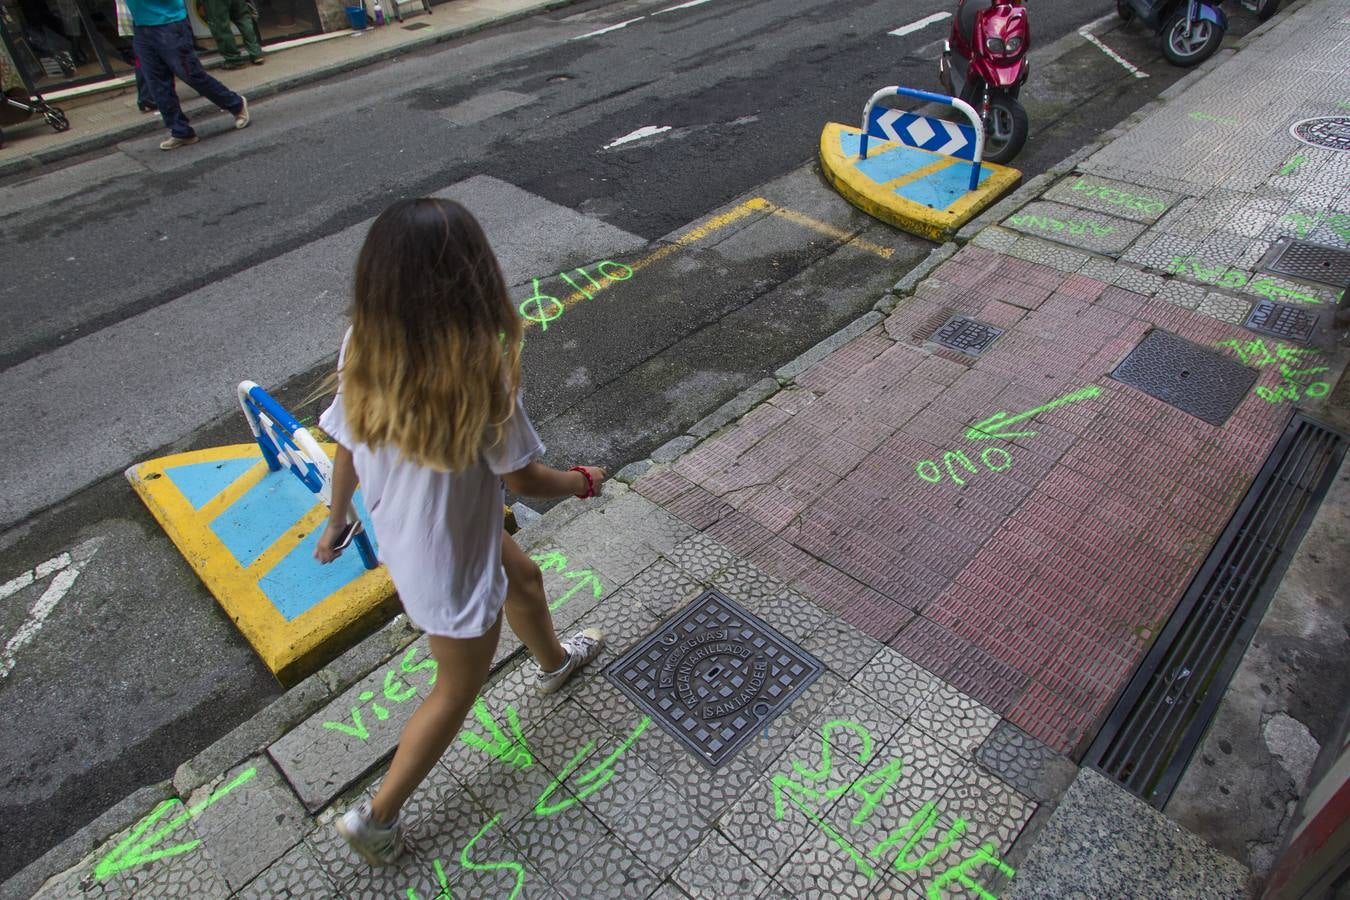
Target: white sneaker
(377, 844)
(581, 648)
(241, 118)
(173, 143)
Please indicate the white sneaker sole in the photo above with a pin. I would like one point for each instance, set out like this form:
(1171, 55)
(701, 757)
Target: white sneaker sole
(365, 853)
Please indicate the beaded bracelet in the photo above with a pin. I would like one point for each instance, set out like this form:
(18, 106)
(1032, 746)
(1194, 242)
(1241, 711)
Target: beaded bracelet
(590, 485)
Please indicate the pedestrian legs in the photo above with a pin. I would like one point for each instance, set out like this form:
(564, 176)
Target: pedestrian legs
(165, 52)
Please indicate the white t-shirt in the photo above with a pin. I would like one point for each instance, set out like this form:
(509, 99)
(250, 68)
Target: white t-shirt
(440, 533)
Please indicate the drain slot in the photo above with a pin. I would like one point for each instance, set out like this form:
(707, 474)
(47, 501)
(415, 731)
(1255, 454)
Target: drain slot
(1308, 261)
(1163, 712)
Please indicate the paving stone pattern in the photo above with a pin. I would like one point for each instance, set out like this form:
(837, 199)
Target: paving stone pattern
(603, 803)
(1039, 564)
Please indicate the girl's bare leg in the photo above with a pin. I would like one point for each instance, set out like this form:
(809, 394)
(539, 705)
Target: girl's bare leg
(462, 665)
(527, 607)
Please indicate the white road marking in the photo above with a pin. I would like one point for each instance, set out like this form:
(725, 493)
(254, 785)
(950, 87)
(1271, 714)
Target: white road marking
(608, 29)
(643, 132)
(1087, 35)
(921, 24)
(64, 569)
(681, 6)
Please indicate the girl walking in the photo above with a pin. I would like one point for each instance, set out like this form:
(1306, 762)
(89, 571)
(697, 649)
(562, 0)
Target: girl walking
(428, 416)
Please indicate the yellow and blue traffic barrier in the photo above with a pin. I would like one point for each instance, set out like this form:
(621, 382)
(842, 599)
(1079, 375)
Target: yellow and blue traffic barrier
(247, 518)
(923, 174)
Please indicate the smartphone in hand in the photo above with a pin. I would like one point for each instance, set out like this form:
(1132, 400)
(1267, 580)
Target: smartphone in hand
(345, 536)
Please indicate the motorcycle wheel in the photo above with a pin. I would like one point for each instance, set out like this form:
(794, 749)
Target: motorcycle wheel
(1124, 10)
(1266, 8)
(1006, 130)
(1200, 46)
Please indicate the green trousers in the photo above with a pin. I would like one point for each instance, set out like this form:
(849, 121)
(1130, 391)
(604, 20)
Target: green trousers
(219, 15)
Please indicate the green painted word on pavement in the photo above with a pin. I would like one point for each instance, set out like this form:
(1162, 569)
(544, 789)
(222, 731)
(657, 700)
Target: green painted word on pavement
(917, 844)
(541, 308)
(585, 579)
(396, 690)
(1292, 166)
(1210, 117)
(1294, 385)
(135, 850)
(582, 787)
(1049, 223)
(1120, 198)
(511, 750)
(1222, 276)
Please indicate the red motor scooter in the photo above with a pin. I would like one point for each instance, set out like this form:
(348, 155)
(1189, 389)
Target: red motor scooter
(984, 63)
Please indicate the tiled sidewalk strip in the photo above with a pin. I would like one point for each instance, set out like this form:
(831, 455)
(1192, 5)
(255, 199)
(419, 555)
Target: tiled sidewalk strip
(1031, 571)
(869, 785)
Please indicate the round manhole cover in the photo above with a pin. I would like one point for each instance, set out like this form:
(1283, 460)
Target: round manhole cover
(1329, 132)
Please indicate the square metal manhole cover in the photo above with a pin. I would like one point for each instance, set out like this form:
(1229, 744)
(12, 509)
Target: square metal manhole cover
(964, 335)
(1194, 379)
(1309, 261)
(1282, 320)
(714, 675)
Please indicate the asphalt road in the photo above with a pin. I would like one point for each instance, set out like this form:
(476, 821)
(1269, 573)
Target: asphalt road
(140, 286)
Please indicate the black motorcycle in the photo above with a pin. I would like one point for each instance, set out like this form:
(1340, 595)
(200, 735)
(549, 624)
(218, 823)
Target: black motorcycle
(1191, 29)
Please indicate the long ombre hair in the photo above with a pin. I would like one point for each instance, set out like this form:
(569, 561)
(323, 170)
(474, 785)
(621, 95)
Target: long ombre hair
(433, 363)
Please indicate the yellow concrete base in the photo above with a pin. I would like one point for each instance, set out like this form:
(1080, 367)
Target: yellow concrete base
(248, 534)
(879, 198)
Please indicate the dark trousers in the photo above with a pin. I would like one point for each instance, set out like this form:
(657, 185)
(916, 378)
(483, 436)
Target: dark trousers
(219, 15)
(165, 52)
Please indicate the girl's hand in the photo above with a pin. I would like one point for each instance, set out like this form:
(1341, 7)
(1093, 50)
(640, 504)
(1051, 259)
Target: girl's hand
(597, 476)
(324, 552)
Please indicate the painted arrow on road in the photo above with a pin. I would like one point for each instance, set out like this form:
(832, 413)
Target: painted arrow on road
(135, 851)
(993, 426)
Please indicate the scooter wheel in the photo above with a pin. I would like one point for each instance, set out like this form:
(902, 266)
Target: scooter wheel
(1266, 8)
(57, 119)
(1006, 129)
(1184, 51)
(1124, 10)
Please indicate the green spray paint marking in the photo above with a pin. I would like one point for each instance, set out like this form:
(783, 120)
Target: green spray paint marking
(1293, 386)
(133, 851)
(541, 308)
(511, 750)
(1209, 117)
(922, 826)
(1293, 165)
(553, 560)
(598, 776)
(1049, 223)
(395, 689)
(1116, 197)
(1302, 224)
(1232, 278)
(490, 866)
(992, 427)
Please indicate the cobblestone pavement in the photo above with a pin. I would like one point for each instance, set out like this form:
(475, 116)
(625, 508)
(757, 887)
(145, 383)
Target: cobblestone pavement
(974, 546)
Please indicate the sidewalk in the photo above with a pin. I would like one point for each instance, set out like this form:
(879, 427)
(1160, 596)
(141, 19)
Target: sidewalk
(976, 590)
(103, 119)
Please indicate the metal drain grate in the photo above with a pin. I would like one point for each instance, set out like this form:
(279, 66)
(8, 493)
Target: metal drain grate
(714, 676)
(1329, 132)
(965, 335)
(1309, 261)
(1163, 712)
(416, 26)
(1193, 378)
(1282, 320)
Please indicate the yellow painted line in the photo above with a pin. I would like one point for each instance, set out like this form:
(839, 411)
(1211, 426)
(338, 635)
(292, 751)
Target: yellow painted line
(236, 489)
(833, 231)
(718, 222)
(294, 536)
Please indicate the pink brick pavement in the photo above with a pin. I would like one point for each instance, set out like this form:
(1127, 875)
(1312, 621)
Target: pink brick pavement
(1033, 582)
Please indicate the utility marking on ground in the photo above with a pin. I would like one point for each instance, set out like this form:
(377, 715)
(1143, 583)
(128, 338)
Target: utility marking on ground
(1096, 42)
(644, 132)
(681, 6)
(608, 29)
(920, 24)
(64, 568)
(693, 236)
(135, 851)
(1293, 165)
